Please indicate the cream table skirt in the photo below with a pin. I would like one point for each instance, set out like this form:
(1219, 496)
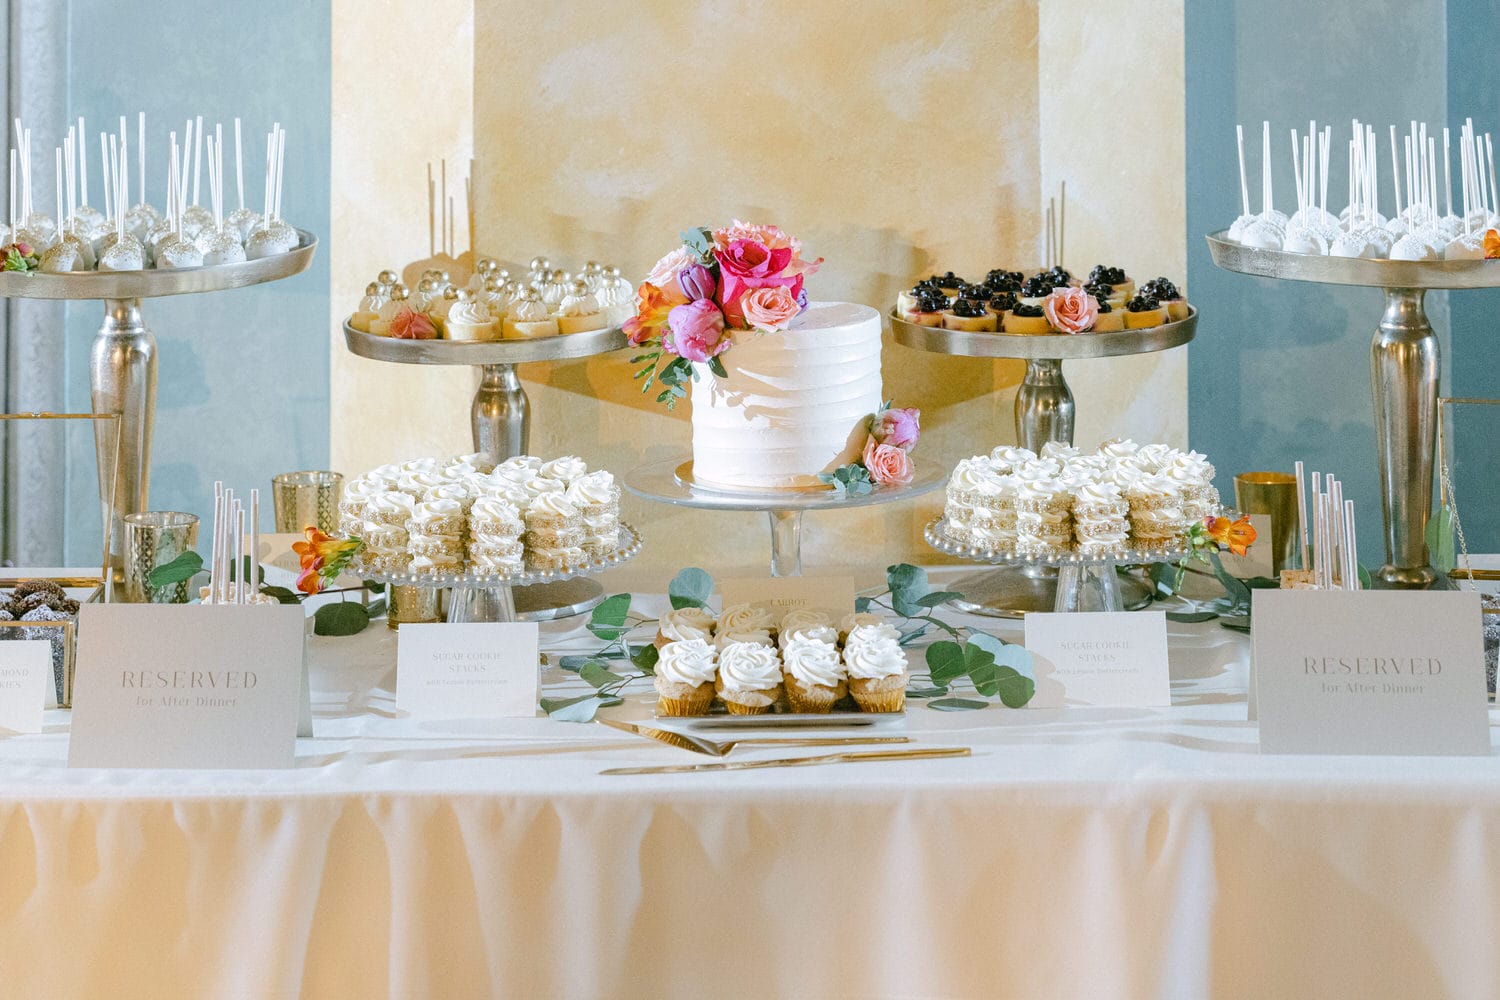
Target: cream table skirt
(1086, 853)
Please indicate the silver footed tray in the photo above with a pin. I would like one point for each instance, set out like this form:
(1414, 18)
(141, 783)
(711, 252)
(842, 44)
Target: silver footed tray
(672, 482)
(1053, 346)
(483, 352)
(1232, 256)
(629, 548)
(937, 536)
(152, 283)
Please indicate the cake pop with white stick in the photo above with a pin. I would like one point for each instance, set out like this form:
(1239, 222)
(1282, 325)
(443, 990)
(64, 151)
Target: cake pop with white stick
(262, 242)
(125, 252)
(217, 245)
(285, 235)
(242, 221)
(178, 250)
(85, 218)
(142, 216)
(75, 219)
(195, 218)
(62, 256)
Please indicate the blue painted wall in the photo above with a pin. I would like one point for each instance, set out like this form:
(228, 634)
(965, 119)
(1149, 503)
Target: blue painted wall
(1280, 370)
(243, 390)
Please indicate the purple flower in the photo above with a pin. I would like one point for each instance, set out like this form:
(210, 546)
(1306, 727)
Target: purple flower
(697, 282)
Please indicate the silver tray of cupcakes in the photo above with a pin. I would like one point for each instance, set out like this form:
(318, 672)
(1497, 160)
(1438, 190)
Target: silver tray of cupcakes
(467, 522)
(1122, 503)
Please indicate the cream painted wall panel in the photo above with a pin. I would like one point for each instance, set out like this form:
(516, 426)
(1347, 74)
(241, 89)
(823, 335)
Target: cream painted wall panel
(385, 129)
(892, 141)
(1108, 73)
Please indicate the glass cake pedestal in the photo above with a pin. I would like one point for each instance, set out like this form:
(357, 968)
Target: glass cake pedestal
(1083, 583)
(480, 598)
(500, 417)
(1044, 412)
(671, 482)
(123, 362)
(1404, 375)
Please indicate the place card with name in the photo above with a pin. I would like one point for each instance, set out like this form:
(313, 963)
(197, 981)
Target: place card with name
(1110, 658)
(1370, 672)
(25, 673)
(468, 671)
(833, 595)
(187, 686)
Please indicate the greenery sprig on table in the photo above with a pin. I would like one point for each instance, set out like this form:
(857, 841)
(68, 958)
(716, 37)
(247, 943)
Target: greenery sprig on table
(994, 668)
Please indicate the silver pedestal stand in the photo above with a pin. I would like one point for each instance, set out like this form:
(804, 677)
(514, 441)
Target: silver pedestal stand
(1404, 375)
(501, 420)
(477, 598)
(123, 362)
(1043, 412)
(672, 482)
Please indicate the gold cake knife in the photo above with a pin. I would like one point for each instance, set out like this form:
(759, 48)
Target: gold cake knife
(830, 758)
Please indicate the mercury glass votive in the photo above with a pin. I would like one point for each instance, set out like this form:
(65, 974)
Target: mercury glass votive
(304, 499)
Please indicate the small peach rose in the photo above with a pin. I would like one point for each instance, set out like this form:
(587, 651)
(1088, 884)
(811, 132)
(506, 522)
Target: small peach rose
(1071, 310)
(769, 308)
(887, 464)
(408, 324)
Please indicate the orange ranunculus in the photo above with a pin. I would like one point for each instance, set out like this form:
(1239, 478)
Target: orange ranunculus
(323, 558)
(1236, 536)
(1492, 245)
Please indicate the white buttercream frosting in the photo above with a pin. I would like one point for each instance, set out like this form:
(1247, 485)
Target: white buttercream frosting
(687, 661)
(738, 616)
(813, 662)
(872, 660)
(745, 666)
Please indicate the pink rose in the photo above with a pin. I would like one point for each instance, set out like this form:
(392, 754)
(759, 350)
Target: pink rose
(898, 427)
(1071, 310)
(887, 464)
(769, 236)
(664, 272)
(769, 308)
(408, 324)
(696, 331)
(744, 265)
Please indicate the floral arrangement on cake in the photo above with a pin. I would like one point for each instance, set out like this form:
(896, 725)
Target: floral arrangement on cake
(886, 459)
(741, 277)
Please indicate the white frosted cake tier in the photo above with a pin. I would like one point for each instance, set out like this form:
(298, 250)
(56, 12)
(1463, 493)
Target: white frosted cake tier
(795, 404)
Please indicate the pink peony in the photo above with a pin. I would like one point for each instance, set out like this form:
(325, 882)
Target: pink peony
(1071, 310)
(696, 331)
(899, 428)
(408, 324)
(664, 273)
(769, 309)
(887, 464)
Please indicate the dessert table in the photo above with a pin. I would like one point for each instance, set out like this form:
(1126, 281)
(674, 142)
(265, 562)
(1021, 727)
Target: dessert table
(1083, 852)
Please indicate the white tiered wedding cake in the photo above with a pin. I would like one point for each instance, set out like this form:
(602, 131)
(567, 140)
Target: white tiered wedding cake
(786, 394)
(796, 402)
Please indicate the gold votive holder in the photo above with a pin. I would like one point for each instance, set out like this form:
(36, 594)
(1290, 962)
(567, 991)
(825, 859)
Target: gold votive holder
(307, 499)
(1273, 494)
(154, 538)
(412, 606)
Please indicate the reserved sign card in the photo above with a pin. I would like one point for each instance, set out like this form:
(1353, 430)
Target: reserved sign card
(468, 671)
(1370, 672)
(25, 673)
(1110, 658)
(187, 686)
(831, 594)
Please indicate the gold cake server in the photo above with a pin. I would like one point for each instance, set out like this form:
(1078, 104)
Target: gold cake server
(913, 753)
(718, 748)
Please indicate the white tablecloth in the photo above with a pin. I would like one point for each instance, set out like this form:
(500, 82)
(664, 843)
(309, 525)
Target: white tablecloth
(1080, 853)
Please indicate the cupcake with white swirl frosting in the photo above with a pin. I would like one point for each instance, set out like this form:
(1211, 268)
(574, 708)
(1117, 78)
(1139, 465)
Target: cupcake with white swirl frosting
(746, 616)
(877, 675)
(685, 674)
(682, 624)
(814, 675)
(749, 679)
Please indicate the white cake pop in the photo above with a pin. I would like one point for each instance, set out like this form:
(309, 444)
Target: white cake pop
(1262, 235)
(1303, 239)
(125, 254)
(1351, 245)
(62, 257)
(1465, 246)
(1380, 239)
(1412, 247)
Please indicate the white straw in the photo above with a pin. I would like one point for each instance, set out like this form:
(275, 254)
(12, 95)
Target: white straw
(1351, 546)
(239, 554)
(140, 152)
(83, 164)
(255, 541)
(1336, 527)
(59, 193)
(239, 173)
(280, 167)
(197, 152)
(1301, 518)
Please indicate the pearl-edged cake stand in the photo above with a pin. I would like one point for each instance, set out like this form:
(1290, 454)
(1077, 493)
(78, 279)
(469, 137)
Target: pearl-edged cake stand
(672, 482)
(1043, 412)
(500, 417)
(123, 362)
(1404, 375)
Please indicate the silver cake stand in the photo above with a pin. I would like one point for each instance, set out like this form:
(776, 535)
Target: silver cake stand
(1084, 583)
(1404, 375)
(122, 365)
(1043, 412)
(671, 482)
(500, 417)
(478, 597)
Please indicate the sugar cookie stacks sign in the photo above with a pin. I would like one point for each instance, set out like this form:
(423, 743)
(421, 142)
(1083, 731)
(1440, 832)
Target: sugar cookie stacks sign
(1370, 672)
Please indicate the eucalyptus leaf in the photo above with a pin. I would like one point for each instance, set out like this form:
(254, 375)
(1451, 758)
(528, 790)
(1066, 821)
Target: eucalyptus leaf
(580, 709)
(343, 618)
(690, 588)
(716, 366)
(1016, 689)
(373, 586)
(938, 597)
(1365, 580)
(1163, 578)
(985, 676)
(1240, 623)
(645, 657)
(1014, 656)
(184, 567)
(608, 619)
(375, 608)
(281, 594)
(957, 705)
(1440, 539)
(992, 643)
(926, 692)
(1238, 593)
(1262, 583)
(573, 662)
(596, 674)
(945, 661)
(862, 604)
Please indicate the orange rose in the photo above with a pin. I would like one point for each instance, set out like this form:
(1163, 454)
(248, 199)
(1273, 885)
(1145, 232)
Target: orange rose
(1236, 536)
